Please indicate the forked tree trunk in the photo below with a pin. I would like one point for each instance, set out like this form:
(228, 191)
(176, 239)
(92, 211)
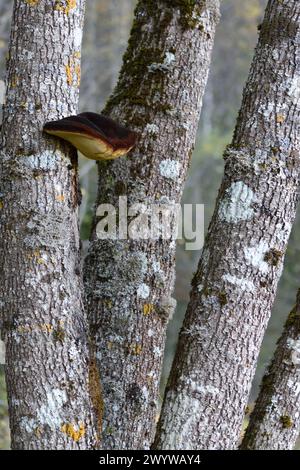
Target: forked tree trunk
(42, 320)
(275, 421)
(234, 287)
(129, 282)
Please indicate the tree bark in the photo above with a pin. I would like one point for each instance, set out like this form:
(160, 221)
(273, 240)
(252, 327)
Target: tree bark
(42, 318)
(234, 287)
(129, 282)
(275, 421)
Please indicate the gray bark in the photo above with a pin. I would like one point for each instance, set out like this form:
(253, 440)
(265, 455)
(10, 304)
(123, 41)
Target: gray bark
(42, 320)
(129, 282)
(234, 287)
(275, 421)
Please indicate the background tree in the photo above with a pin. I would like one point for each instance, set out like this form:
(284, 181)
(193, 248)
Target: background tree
(234, 287)
(42, 319)
(275, 421)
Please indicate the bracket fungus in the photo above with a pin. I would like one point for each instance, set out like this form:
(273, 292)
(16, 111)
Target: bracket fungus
(96, 136)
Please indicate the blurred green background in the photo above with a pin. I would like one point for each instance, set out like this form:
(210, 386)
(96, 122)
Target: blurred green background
(105, 37)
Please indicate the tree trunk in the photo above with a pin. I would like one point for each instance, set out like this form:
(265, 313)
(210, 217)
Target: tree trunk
(43, 324)
(234, 287)
(129, 282)
(275, 421)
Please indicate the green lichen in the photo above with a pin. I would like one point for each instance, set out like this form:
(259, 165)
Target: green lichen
(141, 89)
(293, 317)
(109, 180)
(207, 291)
(136, 86)
(32, 3)
(190, 10)
(268, 384)
(223, 300)
(221, 295)
(286, 421)
(109, 431)
(120, 188)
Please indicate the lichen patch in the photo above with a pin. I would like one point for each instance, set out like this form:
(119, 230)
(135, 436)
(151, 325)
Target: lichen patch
(255, 256)
(169, 169)
(73, 431)
(240, 282)
(237, 203)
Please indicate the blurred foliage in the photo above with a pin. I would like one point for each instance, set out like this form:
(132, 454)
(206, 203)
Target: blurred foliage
(105, 36)
(4, 427)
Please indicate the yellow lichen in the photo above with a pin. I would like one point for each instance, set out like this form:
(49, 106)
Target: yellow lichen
(32, 3)
(38, 431)
(73, 70)
(24, 329)
(47, 327)
(44, 327)
(65, 5)
(1, 204)
(148, 309)
(73, 431)
(280, 118)
(78, 73)
(135, 349)
(69, 74)
(60, 197)
(36, 255)
(286, 421)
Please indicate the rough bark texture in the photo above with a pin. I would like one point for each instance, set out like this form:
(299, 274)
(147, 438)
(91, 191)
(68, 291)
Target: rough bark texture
(275, 421)
(129, 282)
(42, 321)
(234, 287)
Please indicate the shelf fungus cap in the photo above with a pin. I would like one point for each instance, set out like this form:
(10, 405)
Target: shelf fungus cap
(96, 136)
